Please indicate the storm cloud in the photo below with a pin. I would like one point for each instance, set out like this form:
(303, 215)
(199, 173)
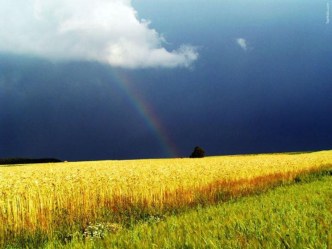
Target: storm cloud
(107, 31)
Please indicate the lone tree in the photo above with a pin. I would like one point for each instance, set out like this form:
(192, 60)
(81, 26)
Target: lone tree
(197, 153)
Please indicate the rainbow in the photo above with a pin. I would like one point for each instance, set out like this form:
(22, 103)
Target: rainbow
(146, 112)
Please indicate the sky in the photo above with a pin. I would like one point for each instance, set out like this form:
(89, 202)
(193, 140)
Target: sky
(121, 79)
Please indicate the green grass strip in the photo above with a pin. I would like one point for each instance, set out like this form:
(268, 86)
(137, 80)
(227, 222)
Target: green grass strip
(296, 216)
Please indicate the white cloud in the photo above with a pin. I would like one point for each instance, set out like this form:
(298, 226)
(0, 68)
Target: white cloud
(327, 12)
(107, 31)
(242, 43)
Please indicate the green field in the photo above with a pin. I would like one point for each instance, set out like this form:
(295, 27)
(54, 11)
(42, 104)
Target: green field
(297, 216)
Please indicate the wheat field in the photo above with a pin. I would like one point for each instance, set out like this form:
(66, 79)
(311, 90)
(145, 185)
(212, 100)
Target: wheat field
(49, 198)
(292, 216)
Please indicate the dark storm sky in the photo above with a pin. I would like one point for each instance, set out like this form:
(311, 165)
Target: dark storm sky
(272, 95)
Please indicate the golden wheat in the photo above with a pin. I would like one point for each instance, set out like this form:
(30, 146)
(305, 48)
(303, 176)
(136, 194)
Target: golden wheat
(42, 197)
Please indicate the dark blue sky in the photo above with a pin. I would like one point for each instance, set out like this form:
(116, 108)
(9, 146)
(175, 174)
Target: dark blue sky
(272, 95)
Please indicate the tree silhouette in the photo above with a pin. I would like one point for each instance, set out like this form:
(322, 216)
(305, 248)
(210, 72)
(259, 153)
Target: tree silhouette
(197, 153)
